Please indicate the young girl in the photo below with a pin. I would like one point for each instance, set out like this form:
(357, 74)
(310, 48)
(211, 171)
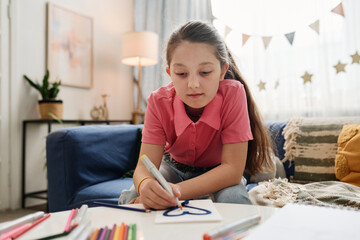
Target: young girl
(205, 120)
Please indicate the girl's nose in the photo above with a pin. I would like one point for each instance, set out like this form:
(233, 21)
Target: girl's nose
(193, 82)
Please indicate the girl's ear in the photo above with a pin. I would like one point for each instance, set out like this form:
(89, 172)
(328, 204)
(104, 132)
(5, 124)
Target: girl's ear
(168, 71)
(223, 71)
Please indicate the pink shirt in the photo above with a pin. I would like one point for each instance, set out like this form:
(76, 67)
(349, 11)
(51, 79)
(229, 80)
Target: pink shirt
(224, 120)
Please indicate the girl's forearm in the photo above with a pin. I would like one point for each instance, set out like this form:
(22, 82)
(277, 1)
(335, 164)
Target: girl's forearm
(225, 175)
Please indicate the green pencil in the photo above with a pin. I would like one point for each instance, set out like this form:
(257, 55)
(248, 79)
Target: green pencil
(55, 236)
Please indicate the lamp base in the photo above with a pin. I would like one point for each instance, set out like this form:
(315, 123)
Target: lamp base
(138, 117)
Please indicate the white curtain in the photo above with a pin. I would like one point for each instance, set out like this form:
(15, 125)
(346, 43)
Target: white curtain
(283, 44)
(163, 17)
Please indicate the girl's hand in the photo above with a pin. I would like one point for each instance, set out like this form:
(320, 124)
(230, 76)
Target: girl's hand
(153, 195)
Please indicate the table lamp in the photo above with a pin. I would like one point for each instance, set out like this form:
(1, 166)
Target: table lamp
(139, 49)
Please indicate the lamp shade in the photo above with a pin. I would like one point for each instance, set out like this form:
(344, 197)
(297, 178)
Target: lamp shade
(140, 48)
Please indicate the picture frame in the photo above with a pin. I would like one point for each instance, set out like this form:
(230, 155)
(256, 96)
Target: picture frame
(69, 47)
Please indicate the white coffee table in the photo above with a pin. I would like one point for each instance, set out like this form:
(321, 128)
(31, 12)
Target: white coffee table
(147, 228)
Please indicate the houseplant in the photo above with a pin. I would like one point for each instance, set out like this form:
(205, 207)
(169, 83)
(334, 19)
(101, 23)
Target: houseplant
(50, 108)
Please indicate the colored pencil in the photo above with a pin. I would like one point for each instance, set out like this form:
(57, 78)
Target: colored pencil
(133, 237)
(70, 218)
(122, 207)
(99, 234)
(55, 235)
(130, 229)
(103, 233)
(117, 233)
(94, 234)
(4, 228)
(107, 235)
(122, 232)
(31, 226)
(111, 237)
(11, 233)
(126, 229)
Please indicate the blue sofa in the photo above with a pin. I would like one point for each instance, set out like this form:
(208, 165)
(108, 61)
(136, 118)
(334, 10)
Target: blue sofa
(89, 163)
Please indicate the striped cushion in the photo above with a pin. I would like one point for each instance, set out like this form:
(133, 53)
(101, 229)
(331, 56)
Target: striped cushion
(311, 144)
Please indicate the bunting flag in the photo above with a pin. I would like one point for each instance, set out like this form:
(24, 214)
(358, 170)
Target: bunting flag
(355, 58)
(227, 31)
(315, 26)
(266, 41)
(340, 67)
(290, 37)
(339, 10)
(245, 37)
(307, 77)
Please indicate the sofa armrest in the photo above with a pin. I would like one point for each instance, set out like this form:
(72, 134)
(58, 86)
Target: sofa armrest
(79, 157)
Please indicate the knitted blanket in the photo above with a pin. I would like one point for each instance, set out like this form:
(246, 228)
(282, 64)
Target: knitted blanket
(278, 192)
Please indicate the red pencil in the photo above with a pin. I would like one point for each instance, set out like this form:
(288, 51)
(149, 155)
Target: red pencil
(31, 226)
(126, 229)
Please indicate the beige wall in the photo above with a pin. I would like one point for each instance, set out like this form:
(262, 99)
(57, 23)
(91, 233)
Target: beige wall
(111, 19)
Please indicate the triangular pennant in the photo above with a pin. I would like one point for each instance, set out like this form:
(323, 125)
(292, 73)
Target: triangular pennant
(266, 41)
(339, 10)
(245, 37)
(315, 26)
(227, 31)
(290, 37)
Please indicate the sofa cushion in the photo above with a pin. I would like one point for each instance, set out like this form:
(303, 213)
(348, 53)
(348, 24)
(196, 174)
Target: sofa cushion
(311, 145)
(347, 162)
(108, 191)
(275, 129)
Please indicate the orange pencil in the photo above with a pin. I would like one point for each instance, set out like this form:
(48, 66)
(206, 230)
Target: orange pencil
(122, 231)
(94, 234)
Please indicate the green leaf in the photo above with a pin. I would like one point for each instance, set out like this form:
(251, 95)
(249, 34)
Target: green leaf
(55, 117)
(47, 90)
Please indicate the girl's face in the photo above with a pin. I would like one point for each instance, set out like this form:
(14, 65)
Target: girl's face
(196, 73)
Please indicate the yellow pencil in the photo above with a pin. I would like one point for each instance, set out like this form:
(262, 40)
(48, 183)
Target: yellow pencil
(117, 233)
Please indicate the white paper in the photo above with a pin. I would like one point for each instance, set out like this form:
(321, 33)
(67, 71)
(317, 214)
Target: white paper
(204, 204)
(297, 222)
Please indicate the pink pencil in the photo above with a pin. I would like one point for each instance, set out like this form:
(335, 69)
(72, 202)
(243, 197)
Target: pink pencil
(70, 218)
(112, 232)
(18, 234)
(103, 233)
(10, 234)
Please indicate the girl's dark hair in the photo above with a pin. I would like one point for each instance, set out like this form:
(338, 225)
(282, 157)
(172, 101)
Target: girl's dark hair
(259, 149)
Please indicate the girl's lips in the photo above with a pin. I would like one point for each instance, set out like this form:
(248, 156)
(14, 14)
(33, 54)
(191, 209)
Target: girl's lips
(195, 95)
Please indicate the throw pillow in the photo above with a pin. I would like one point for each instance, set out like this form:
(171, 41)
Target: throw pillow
(347, 162)
(311, 145)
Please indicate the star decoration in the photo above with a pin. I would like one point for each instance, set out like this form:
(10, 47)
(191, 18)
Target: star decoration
(307, 77)
(340, 67)
(261, 85)
(276, 84)
(355, 58)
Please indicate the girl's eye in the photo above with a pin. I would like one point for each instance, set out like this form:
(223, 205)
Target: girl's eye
(205, 73)
(180, 74)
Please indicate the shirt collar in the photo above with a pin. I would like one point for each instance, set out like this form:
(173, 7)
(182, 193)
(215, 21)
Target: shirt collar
(210, 116)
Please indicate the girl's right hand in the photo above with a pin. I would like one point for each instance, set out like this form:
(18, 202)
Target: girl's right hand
(153, 195)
